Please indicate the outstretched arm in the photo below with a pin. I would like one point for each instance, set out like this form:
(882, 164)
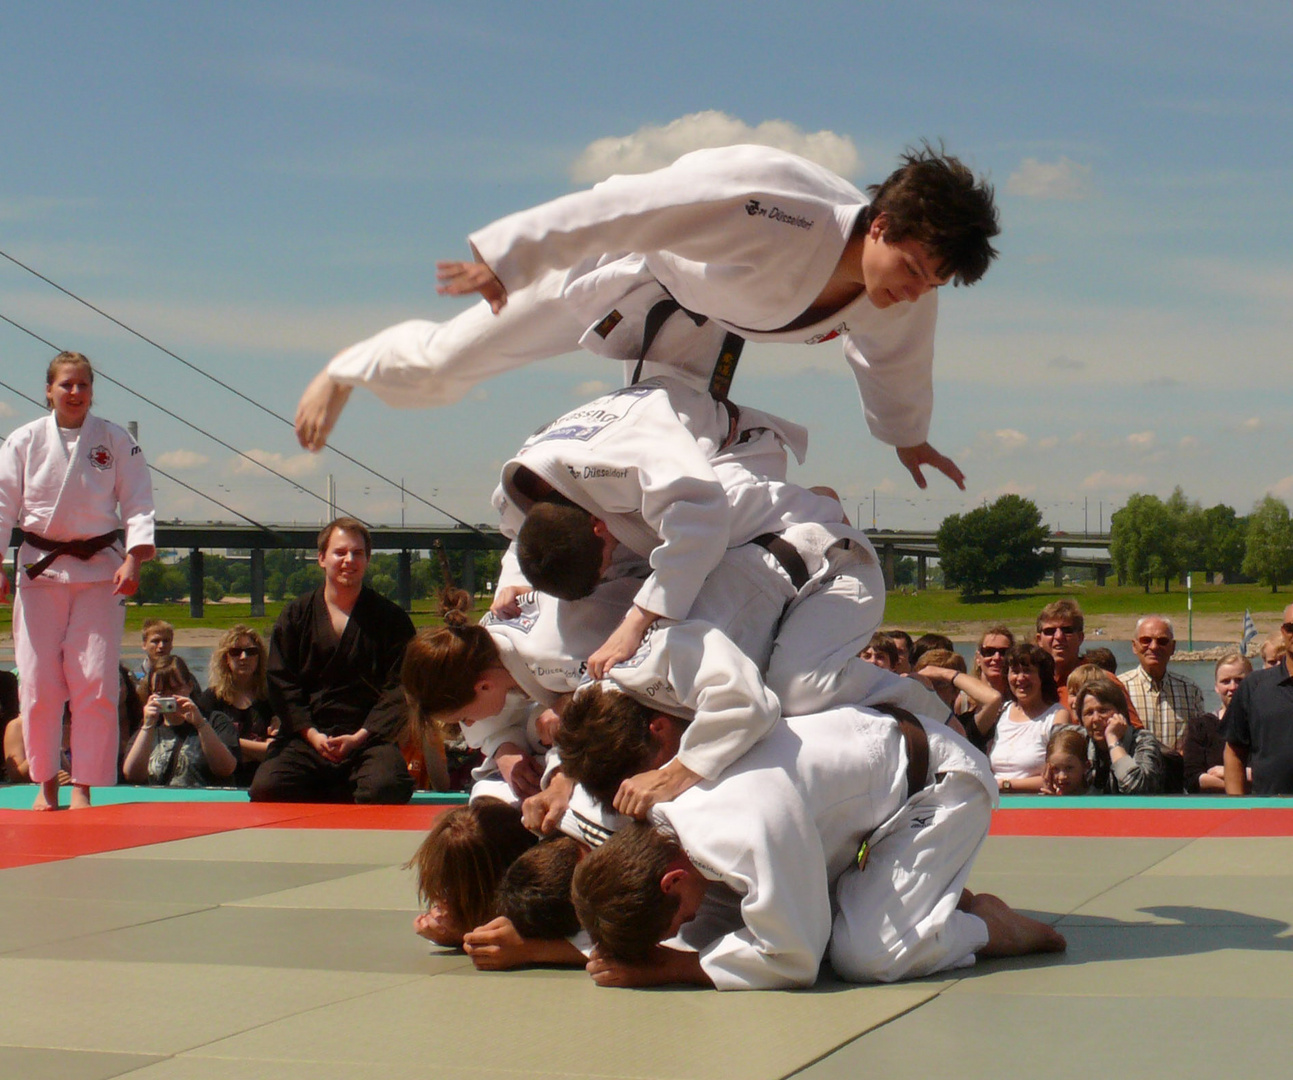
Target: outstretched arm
(465, 278)
(319, 410)
(913, 457)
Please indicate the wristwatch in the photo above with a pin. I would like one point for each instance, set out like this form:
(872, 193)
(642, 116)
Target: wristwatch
(1006, 785)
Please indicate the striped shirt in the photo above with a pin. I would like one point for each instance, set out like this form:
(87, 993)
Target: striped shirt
(1164, 705)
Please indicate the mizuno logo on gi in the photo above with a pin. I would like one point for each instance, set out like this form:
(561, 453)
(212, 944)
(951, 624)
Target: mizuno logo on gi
(922, 820)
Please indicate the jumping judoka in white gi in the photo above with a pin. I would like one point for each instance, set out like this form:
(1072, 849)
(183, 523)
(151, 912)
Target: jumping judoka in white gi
(761, 243)
(70, 481)
(849, 831)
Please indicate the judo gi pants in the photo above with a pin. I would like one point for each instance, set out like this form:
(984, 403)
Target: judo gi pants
(295, 772)
(897, 915)
(67, 641)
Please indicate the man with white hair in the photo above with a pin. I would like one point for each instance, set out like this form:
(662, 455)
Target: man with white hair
(1166, 702)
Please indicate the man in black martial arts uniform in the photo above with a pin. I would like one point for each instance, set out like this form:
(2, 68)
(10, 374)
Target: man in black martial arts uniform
(334, 667)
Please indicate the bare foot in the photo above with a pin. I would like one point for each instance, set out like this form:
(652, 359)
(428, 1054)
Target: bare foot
(1013, 934)
(80, 797)
(47, 796)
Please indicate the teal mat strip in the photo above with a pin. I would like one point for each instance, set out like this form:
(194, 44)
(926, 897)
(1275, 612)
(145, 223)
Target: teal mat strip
(21, 796)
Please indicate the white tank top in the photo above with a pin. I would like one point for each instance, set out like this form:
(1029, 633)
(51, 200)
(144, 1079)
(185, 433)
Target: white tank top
(1019, 747)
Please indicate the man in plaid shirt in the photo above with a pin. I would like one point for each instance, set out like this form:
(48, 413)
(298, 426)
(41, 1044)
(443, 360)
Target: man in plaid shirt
(1164, 700)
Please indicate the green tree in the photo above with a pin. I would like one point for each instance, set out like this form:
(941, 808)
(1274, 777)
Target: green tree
(994, 547)
(160, 583)
(1226, 537)
(1143, 542)
(1269, 555)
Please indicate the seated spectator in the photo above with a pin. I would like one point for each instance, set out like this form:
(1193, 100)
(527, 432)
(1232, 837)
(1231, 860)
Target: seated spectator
(1259, 728)
(1102, 658)
(1066, 763)
(946, 671)
(158, 639)
(990, 658)
(930, 641)
(1273, 650)
(902, 640)
(17, 769)
(1125, 760)
(882, 651)
(1061, 629)
(1204, 752)
(238, 689)
(334, 682)
(130, 712)
(460, 864)
(177, 746)
(1018, 750)
(1164, 699)
(9, 706)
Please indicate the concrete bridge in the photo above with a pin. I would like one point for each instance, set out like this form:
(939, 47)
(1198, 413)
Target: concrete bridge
(196, 538)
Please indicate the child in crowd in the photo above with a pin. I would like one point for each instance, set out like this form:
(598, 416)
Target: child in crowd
(460, 864)
(1066, 763)
(882, 651)
(157, 637)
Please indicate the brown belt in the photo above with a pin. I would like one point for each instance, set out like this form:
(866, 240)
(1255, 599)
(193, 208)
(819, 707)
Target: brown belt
(78, 549)
(917, 741)
(787, 555)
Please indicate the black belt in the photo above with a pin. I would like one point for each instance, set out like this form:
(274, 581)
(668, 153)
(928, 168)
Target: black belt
(917, 741)
(78, 549)
(785, 553)
(729, 354)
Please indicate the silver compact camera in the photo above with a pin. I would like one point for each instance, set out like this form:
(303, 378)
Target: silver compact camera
(167, 704)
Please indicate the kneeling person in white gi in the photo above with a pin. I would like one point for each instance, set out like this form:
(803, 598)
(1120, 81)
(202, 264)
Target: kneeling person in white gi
(844, 830)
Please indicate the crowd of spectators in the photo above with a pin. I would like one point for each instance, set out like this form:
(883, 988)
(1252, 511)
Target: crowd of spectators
(1036, 708)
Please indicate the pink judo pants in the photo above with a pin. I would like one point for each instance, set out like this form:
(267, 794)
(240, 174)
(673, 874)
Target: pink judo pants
(67, 640)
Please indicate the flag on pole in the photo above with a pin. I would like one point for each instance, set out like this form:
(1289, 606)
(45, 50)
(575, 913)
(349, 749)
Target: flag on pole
(1250, 631)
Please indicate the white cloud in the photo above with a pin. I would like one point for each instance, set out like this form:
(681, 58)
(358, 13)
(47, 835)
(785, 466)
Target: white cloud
(1282, 489)
(1063, 179)
(1048, 443)
(591, 388)
(654, 146)
(1010, 487)
(1008, 440)
(1107, 481)
(6, 409)
(1253, 423)
(181, 459)
(1189, 442)
(295, 467)
(1141, 440)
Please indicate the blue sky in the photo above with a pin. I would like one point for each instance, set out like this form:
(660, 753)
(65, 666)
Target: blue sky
(258, 186)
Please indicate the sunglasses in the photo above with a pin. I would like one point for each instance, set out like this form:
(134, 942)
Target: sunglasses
(1051, 631)
(1287, 627)
(242, 654)
(1146, 642)
(993, 650)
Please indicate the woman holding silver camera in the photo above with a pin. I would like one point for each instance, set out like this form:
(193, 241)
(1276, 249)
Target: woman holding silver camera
(177, 746)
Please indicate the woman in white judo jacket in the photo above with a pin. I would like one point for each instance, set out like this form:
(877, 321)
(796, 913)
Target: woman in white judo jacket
(70, 481)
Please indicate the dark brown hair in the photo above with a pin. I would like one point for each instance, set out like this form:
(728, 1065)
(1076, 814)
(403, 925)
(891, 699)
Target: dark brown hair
(535, 892)
(604, 738)
(1034, 658)
(558, 551)
(345, 524)
(618, 895)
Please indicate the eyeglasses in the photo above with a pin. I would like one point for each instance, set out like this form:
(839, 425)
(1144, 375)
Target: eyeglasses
(993, 650)
(242, 654)
(1052, 631)
(1146, 642)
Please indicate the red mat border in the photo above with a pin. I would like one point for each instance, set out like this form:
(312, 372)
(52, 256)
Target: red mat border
(28, 838)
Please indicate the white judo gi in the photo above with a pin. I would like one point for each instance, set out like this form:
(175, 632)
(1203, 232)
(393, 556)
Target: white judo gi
(745, 235)
(67, 621)
(779, 837)
(545, 649)
(679, 482)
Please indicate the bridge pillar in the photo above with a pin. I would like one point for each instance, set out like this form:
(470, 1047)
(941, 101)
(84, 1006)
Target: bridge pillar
(922, 572)
(257, 583)
(1059, 566)
(404, 580)
(1101, 572)
(886, 560)
(196, 595)
(469, 571)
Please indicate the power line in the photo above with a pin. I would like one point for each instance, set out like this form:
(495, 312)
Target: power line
(233, 390)
(160, 472)
(188, 423)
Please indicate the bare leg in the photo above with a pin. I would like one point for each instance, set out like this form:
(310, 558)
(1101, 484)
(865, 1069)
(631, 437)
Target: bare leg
(1013, 934)
(80, 797)
(47, 797)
